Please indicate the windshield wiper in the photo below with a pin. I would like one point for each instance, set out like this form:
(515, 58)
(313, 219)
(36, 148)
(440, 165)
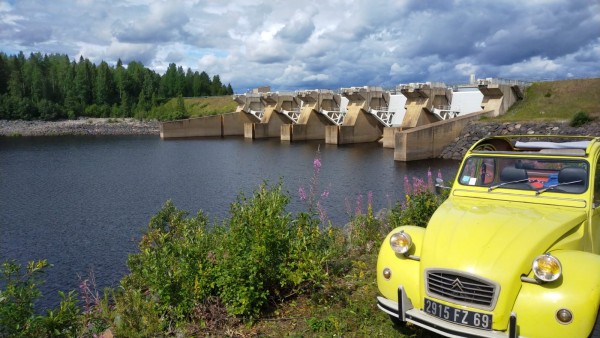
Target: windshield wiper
(511, 182)
(537, 192)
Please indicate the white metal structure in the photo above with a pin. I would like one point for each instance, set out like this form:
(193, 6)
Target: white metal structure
(293, 115)
(335, 116)
(257, 113)
(445, 112)
(383, 114)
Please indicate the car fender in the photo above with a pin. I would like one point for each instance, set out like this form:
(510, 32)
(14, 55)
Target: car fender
(577, 289)
(404, 268)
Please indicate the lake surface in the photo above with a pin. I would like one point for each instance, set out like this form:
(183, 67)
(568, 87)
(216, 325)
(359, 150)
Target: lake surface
(82, 203)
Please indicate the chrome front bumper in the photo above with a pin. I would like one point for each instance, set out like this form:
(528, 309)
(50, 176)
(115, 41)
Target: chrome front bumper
(405, 312)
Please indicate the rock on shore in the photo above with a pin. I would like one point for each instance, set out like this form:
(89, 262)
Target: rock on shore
(84, 126)
(477, 130)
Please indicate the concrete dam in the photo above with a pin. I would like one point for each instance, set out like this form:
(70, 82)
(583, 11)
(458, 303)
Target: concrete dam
(417, 120)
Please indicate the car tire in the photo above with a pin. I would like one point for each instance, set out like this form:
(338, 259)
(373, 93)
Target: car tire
(596, 329)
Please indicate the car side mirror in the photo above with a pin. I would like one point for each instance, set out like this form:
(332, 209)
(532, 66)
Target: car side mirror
(439, 186)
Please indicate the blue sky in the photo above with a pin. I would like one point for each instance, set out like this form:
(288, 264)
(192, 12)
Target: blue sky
(327, 44)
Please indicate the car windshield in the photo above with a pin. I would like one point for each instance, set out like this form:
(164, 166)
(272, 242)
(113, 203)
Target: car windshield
(539, 174)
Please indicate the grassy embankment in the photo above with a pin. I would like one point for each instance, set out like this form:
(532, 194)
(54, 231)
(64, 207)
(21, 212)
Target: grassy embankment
(195, 107)
(207, 106)
(556, 101)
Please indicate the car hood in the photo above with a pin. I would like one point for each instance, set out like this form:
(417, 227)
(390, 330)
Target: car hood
(496, 240)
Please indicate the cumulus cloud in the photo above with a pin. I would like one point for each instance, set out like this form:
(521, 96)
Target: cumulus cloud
(326, 44)
(299, 28)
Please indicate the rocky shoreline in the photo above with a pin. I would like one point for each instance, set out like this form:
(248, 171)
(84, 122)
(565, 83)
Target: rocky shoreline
(477, 130)
(83, 126)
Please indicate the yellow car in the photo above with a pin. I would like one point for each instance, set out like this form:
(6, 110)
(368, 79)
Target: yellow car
(513, 251)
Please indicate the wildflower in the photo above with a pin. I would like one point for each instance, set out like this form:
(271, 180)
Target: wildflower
(322, 212)
(418, 185)
(406, 185)
(358, 210)
(317, 164)
(429, 180)
(302, 194)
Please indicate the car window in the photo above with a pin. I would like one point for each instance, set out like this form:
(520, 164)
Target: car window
(556, 175)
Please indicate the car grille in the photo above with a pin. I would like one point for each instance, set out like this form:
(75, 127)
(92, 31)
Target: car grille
(463, 289)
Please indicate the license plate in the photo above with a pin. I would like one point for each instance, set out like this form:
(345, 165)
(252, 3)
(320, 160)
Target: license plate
(458, 316)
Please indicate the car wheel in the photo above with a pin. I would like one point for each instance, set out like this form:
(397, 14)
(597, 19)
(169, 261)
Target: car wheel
(596, 330)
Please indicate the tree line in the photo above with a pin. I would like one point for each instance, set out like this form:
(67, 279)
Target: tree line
(51, 87)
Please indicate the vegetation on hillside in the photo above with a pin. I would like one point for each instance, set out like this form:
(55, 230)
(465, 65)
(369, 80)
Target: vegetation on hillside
(556, 101)
(51, 87)
(262, 271)
(193, 107)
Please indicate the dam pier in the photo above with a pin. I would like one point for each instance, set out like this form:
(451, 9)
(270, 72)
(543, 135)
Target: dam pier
(417, 120)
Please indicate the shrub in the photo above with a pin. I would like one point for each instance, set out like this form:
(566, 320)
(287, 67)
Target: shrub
(421, 202)
(184, 266)
(253, 250)
(17, 313)
(579, 119)
(364, 230)
(417, 209)
(173, 267)
(266, 255)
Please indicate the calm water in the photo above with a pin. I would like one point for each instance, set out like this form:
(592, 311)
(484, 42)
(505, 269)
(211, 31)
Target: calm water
(83, 202)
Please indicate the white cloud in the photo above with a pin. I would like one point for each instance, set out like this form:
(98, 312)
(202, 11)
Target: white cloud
(333, 43)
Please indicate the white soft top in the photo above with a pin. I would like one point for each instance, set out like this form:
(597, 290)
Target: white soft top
(553, 145)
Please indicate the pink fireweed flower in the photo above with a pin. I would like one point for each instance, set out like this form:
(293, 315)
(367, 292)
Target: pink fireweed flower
(429, 180)
(302, 194)
(370, 199)
(406, 186)
(316, 164)
(322, 212)
(358, 210)
(418, 185)
(325, 194)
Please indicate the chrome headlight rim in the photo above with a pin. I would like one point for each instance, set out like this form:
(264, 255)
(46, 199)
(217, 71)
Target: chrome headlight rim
(543, 265)
(401, 242)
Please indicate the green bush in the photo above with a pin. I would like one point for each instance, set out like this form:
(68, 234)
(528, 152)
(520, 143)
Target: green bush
(421, 202)
(174, 264)
(364, 229)
(260, 254)
(580, 118)
(267, 255)
(417, 209)
(17, 299)
(253, 251)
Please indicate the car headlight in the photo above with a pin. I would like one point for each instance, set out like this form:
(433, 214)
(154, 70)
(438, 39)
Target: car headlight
(546, 267)
(400, 242)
